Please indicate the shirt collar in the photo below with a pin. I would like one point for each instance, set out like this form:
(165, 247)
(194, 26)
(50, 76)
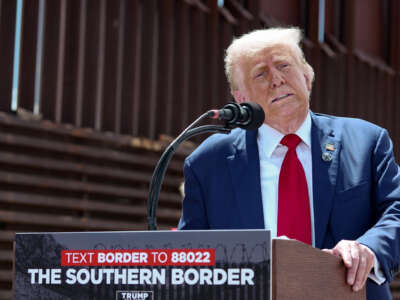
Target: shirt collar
(269, 138)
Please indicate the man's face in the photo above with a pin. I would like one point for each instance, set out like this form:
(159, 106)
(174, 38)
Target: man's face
(274, 79)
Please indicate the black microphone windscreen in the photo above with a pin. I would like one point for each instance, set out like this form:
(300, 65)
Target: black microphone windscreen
(257, 118)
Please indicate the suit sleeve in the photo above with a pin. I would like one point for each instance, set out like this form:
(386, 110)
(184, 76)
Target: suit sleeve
(384, 237)
(193, 208)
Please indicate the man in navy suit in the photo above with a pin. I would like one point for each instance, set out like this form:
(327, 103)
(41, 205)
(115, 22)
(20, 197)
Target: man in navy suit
(352, 182)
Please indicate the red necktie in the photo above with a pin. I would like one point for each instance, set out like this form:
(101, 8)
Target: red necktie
(294, 219)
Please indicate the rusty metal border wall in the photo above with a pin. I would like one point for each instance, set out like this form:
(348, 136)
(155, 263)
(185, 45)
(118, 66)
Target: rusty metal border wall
(129, 71)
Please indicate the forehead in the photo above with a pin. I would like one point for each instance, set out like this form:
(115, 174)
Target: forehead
(272, 54)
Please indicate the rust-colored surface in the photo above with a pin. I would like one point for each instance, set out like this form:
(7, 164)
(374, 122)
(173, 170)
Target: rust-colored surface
(301, 272)
(58, 178)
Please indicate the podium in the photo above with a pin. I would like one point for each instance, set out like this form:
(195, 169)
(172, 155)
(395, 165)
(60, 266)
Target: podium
(190, 265)
(302, 272)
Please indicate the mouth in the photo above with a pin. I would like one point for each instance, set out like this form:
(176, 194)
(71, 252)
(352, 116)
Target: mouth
(281, 97)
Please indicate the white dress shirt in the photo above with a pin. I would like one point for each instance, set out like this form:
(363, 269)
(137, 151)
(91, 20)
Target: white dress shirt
(271, 154)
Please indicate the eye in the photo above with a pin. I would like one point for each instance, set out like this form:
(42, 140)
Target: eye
(283, 66)
(260, 74)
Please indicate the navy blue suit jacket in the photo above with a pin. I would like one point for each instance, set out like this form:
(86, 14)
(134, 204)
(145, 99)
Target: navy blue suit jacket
(356, 195)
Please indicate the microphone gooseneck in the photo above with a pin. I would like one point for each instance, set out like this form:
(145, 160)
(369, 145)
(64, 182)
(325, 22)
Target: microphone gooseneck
(247, 115)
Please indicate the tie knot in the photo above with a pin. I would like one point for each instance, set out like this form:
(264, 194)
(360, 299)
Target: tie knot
(291, 141)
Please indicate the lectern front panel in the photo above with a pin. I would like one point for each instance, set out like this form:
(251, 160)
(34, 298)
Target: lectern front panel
(153, 265)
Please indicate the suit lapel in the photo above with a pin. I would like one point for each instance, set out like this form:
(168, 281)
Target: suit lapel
(325, 147)
(244, 165)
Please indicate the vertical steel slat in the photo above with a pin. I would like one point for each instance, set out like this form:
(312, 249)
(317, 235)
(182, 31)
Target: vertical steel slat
(209, 53)
(199, 56)
(170, 36)
(194, 66)
(223, 33)
(321, 21)
(148, 69)
(128, 70)
(26, 87)
(397, 109)
(8, 34)
(326, 94)
(120, 59)
(332, 102)
(112, 47)
(254, 9)
(380, 98)
(224, 90)
(212, 33)
(48, 80)
(313, 28)
(341, 88)
(90, 58)
(137, 78)
(201, 37)
(17, 55)
(388, 112)
(324, 85)
(100, 70)
(179, 65)
(395, 36)
(60, 62)
(395, 63)
(349, 37)
(371, 85)
(80, 78)
(39, 56)
(357, 87)
(329, 92)
(364, 74)
(152, 118)
(184, 69)
(166, 67)
(70, 62)
(217, 65)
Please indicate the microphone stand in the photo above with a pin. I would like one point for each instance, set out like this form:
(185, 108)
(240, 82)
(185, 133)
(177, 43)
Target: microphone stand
(159, 172)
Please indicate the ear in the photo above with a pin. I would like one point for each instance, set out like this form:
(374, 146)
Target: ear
(308, 81)
(239, 97)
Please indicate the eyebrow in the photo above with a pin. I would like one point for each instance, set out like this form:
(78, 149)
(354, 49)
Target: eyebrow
(256, 71)
(258, 67)
(282, 58)
(262, 65)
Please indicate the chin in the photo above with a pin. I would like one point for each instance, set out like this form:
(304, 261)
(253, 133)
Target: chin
(291, 115)
(288, 111)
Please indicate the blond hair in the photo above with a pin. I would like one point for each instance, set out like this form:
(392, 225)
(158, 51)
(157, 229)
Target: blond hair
(253, 42)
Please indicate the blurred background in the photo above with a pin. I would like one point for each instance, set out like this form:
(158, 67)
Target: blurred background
(91, 92)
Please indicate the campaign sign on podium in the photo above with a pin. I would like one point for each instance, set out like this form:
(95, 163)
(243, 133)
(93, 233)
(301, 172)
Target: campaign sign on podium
(151, 265)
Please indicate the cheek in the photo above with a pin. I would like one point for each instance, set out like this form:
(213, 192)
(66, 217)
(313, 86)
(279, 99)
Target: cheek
(300, 85)
(258, 91)
(261, 86)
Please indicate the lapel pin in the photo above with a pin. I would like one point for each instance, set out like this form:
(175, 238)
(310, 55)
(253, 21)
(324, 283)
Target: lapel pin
(327, 156)
(330, 147)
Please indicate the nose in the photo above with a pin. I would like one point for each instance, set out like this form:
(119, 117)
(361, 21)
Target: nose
(276, 79)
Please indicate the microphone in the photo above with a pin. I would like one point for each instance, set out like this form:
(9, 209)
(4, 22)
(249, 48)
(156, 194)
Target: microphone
(247, 115)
